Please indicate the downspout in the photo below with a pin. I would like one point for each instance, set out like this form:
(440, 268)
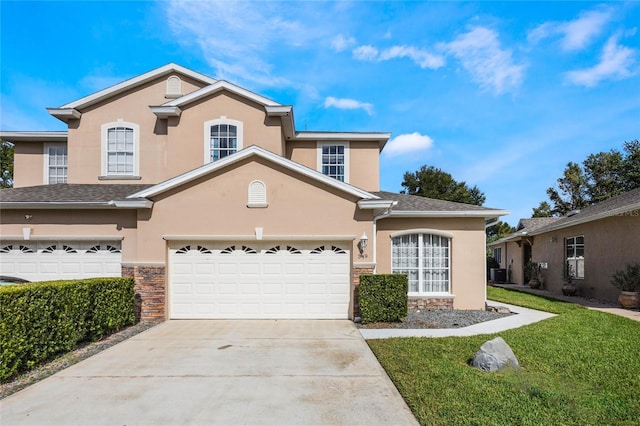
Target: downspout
(375, 235)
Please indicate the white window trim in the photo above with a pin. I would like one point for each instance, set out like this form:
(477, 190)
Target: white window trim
(136, 148)
(207, 135)
(46, 161)
(574, 259)
(320, 145)
(420, 259)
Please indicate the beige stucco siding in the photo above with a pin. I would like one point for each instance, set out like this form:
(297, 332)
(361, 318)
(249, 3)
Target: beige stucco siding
(512, 259)
(28, 166)
(609, 244)
(186, 135)
(66, 224)
(216, 205)
(364, 161)
(467, 254)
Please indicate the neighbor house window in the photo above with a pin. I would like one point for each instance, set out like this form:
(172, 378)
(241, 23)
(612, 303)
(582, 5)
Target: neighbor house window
(575, 255)
(424, 258)
(497, 254)
(333, 160)
(55, 163)
(222, 138)
(120, 149)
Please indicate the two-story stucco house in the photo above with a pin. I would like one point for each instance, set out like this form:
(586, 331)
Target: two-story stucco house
(208, 195)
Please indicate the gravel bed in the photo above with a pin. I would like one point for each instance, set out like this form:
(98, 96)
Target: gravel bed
(83, 351)
(439, 318)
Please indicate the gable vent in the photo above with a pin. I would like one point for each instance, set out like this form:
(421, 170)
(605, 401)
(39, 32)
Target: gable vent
(257, 196)
(174, 87)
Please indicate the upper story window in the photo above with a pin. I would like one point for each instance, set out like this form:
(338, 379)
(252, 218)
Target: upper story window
(424, 258)
(333, 160)
(55, 163)
(120, 148)
(575, 255)
(222, 137)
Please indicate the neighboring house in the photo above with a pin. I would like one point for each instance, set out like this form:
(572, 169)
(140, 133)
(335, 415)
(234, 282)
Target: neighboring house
(209, 197)
(595, 241)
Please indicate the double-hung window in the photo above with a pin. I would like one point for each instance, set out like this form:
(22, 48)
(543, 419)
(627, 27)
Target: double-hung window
(120, 149)
(425, 259)
(333, 160)
(55, 166)
(575, 255)
(222, 138)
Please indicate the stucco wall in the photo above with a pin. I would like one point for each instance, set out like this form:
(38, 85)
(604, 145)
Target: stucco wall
(217, 205)
(28, 161)
(512, 257)
(468, 262)
(609, 244)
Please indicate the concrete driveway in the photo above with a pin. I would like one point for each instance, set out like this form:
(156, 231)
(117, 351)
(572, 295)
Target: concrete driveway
(220, 372)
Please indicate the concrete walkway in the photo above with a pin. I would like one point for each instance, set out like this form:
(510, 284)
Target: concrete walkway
(596, 305)
(524, 316)
(201, 372)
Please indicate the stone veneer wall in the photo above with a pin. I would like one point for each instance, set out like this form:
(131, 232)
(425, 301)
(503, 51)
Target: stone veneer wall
(420, 303)
(355, 282)
(150, 289)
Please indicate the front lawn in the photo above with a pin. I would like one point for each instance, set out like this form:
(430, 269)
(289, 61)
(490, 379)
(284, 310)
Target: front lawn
(579, 368)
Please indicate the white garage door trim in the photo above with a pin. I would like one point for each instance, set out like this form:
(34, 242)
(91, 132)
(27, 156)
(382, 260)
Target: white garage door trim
(266, 280)
(60, 260)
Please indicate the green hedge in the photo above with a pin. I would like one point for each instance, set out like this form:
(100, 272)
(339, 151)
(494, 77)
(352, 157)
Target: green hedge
(41, 320)
(383, 297)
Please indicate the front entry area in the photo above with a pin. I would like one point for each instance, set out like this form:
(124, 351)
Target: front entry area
(259, 280)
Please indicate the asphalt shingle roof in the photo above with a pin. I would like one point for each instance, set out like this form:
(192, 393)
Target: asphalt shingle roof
(416, 203)
(64, 192)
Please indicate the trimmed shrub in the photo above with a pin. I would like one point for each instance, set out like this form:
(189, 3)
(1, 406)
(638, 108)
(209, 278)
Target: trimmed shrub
(41, 320)
(383, 297)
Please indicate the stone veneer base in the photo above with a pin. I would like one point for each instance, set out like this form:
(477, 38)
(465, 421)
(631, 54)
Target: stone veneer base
(150, 289)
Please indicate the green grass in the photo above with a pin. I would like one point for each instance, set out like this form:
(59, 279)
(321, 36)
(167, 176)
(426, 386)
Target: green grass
(579, 368)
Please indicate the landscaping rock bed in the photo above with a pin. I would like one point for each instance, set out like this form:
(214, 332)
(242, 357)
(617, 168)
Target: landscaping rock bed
(437, 318)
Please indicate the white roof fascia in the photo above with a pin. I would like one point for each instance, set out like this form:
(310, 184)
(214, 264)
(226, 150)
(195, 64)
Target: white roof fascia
(44, 136)
(163, 112)
(132, 204)
(285, 112)
(135, 81)
(381, 138)
(217, 87)
(65, 114)
(54, 205)
(376, 204)
(455, 213)
(620, 211)
(241, 155)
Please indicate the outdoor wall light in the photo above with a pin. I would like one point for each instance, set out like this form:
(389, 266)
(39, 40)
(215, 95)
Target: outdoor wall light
(362, 245)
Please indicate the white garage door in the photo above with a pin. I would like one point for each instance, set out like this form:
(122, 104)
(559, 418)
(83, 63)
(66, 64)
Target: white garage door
(59, 260)
(250, 280)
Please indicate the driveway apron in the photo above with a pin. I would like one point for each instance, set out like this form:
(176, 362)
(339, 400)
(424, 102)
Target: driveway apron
(250, 372)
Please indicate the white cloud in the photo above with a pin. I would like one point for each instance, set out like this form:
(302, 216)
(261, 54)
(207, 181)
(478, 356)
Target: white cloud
(576, 34)
(365, 53)
(616, 62)
(341, 42)
(421, 57)
(408, 144)
(347, 104)
(481, 55)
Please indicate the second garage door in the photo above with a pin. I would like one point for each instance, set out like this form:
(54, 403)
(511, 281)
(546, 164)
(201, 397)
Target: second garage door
(257, 280)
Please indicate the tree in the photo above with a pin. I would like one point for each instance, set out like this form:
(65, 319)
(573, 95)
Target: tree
(543, 210)
(604, 173)
(6, 164)
(499, 230)
(571, 193)
(432, 182)
(631, 165)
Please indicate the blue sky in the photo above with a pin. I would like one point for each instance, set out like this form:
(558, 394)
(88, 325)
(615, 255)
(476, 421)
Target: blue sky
(499, 94)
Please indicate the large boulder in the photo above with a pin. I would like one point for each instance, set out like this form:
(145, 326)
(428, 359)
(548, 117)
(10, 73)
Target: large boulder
(494, 355)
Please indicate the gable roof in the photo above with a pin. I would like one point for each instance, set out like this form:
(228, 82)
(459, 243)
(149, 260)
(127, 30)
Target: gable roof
(71, 109)
(622, 204)
(416, 206)
(241, 155)
(64, 195)
(534, 223)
